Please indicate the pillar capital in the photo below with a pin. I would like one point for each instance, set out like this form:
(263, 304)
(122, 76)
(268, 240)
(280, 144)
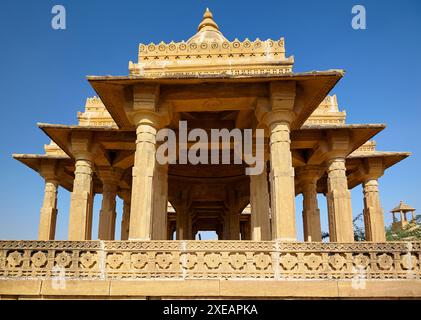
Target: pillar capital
(282, 95)
(338, 144)
(373, 168)
(110, 175)
(146, 109)
(125, 194)
(49, 171)
(335, 163)
(309, 174)
(81, 145)
(268, 116)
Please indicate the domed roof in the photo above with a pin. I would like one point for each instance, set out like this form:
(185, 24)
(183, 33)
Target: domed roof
(208, 30)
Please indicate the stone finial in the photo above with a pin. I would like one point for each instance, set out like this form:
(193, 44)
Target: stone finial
(208, 22)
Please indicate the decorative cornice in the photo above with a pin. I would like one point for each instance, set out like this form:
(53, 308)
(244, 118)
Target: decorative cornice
(369, 146)
(209, 51)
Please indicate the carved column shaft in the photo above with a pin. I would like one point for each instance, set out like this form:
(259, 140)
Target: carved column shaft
(259, 203)
(125, 221)
(160, 205)
(142, 186)
(339, 202)
(234, 225)
(282, 183)
(183, 223)
(48, 216)
(107, 214)
(80, 205)
(373, 212)
(311, 212)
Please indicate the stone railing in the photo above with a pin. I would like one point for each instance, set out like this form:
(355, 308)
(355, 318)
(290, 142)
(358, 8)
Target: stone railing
(120, 260)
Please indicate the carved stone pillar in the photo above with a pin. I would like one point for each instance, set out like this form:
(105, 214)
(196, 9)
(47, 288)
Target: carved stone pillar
(109, 178)
(245, 230)
(47, 224)
(372, 169)
(146, 115)
(142, 187)
(234, 225)
(339, 202)
(125, 221)
(182, 223)
(80, 204)
(277, 116)
(282, 179)
(259, 202)
(232, 229)
(308, 177)
(90, 215)
(160, 205)
(373, 212)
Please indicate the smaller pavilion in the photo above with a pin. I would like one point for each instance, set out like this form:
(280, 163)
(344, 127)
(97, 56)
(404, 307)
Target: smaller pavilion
(403, 209)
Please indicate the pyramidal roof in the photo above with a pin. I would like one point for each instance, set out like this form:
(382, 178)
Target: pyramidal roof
(208, 52)
(402, 207)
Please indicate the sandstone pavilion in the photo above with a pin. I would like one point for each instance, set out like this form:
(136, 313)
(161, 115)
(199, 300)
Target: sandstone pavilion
(212, 83)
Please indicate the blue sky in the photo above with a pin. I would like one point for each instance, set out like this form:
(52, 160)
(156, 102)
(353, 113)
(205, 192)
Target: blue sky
(43, 77)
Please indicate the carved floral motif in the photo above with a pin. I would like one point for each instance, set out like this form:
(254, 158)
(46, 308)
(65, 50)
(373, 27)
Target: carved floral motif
(39, 259)
(188, 260)
(337, 261)
(261, 261)
(63, 259)
(115, 260)
(361, 260)
(139, 260)
(212, 260)
(14, 259)
(385, 261)
(289, 261)
(163, 260)
(237, 260)
(87, 259)
(313, 261)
